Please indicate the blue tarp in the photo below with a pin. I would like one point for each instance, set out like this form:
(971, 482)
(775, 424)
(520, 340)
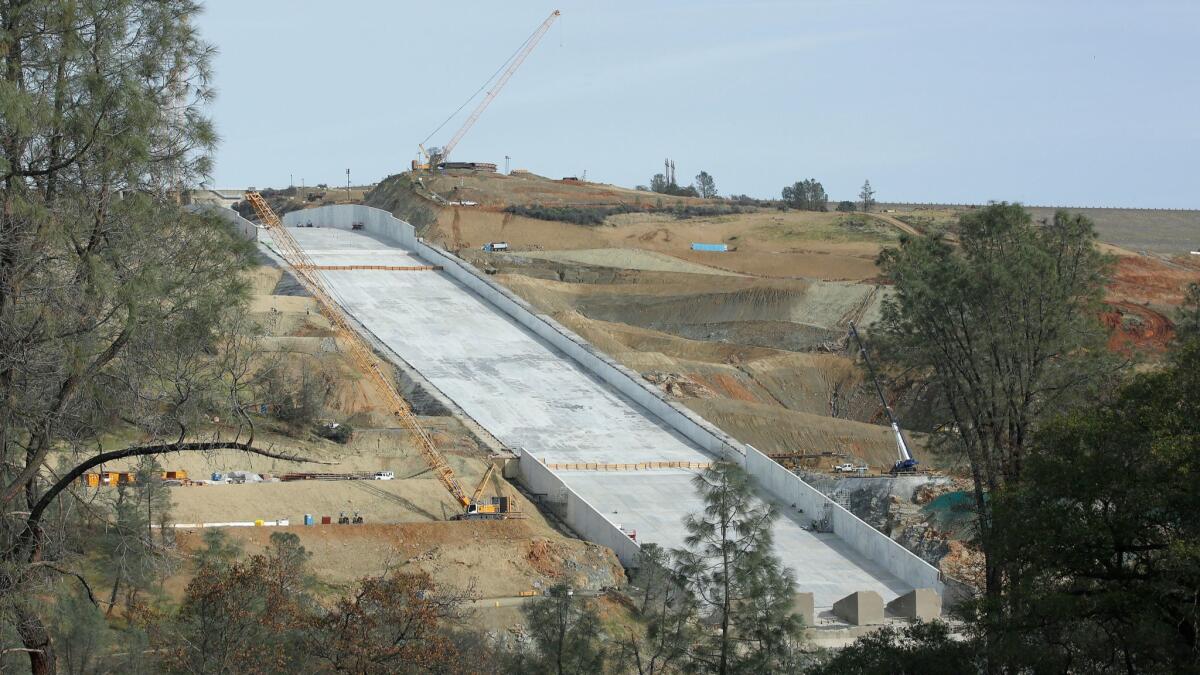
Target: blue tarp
(709, 247)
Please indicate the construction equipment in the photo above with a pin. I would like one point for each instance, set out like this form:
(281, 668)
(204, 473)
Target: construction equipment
(433, 157)
(906, 463)
(495, 510)
(360, 352)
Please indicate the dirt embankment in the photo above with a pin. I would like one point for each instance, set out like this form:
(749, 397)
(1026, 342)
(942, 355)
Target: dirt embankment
(407, 519)
(500, 558)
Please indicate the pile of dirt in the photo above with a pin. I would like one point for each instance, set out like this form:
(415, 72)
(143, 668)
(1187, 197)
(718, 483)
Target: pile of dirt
(679, 386)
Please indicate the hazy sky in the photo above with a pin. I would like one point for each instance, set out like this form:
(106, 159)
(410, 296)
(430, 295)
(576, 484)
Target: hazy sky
(1046, 102)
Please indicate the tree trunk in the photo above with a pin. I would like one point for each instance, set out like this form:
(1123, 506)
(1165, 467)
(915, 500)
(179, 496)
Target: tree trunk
(112, 598)
(36, 639)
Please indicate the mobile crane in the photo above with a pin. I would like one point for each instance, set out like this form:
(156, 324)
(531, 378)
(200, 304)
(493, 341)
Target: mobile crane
(436, 156)
(363, 356)
(906, 463)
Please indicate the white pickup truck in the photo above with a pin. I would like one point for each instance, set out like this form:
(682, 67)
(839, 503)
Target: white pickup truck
(847, 467)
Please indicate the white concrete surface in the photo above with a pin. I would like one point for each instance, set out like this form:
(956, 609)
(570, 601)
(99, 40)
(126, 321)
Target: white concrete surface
(531, 396)
(654, 504)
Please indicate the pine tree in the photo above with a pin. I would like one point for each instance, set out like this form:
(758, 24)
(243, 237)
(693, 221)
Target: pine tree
(742, 588)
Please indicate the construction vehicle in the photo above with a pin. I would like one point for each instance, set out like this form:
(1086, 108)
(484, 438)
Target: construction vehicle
(496, 509)
(492, 246)
(906, 463)
(433, 158)
(363, 356)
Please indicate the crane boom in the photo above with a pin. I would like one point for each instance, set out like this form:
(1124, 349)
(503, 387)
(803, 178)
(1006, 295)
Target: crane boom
(906, 458)
(360, 352)
(436, 156)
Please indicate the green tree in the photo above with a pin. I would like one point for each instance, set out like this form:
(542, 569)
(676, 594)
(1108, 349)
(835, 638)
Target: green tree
(659, 183)
(567, 633)
(1006, 326)
(666, 613)
(846, 206)
(806, 195)
(743, 591)
(390, 623)
(1187, 324)
(705, 185)
(867, 196)
(917, 649)
(1101, 535)
(113, 298)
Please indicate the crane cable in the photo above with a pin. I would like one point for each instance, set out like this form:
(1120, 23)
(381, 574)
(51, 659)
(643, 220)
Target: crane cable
(482, 87)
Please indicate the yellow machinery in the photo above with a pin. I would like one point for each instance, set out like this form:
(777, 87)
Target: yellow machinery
(431, 158)
(364, 358)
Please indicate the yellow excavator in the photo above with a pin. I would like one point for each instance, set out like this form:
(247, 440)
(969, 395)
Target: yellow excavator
(364, 357)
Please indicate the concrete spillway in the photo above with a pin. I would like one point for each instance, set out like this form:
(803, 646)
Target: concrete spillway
(532, 396)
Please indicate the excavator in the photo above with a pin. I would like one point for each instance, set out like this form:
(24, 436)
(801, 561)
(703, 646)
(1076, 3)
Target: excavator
(433, 157)
(364, 357)
(906, 463)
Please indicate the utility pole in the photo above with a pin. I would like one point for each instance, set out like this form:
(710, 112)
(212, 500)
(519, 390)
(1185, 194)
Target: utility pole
(347, 185)
(506, 158)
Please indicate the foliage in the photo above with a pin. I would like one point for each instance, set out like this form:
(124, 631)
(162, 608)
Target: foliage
(661, 184)
(667, 620)
(128, 545)
(1101, 534)
(866, 196)
(566, 632)
(297, 399)
(705, 185)
(258, 616)
(743, 590)
(1187, 324)
(806, 195)
(115, 302)
(846, 206)
(596, 215)
(1003, 353)
(916, 649)
(395, 622)
(336, 432)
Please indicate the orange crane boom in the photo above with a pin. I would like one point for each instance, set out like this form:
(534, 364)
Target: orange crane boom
(435, 156)
(360, 352)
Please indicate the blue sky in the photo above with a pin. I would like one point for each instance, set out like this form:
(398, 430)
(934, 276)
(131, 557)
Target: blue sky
(1051, 102)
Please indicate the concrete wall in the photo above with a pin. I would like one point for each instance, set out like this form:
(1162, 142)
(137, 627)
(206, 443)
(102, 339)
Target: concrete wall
(376, 221)
(871, 543)
(243, 227)
(386, 226)
(778, 481)
(578, 514)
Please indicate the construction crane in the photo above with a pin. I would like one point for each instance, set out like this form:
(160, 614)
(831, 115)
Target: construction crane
(435, 156)
(364, 357)
(906, 463)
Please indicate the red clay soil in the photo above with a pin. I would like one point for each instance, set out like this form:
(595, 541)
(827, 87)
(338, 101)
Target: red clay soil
(1145, 279)
(1136, 328)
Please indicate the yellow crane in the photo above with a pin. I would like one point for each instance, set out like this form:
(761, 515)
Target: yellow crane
(435, 156)
(364, 357)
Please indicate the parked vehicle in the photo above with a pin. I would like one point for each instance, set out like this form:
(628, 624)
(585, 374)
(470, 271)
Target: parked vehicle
(384, 475)
(492, 246)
